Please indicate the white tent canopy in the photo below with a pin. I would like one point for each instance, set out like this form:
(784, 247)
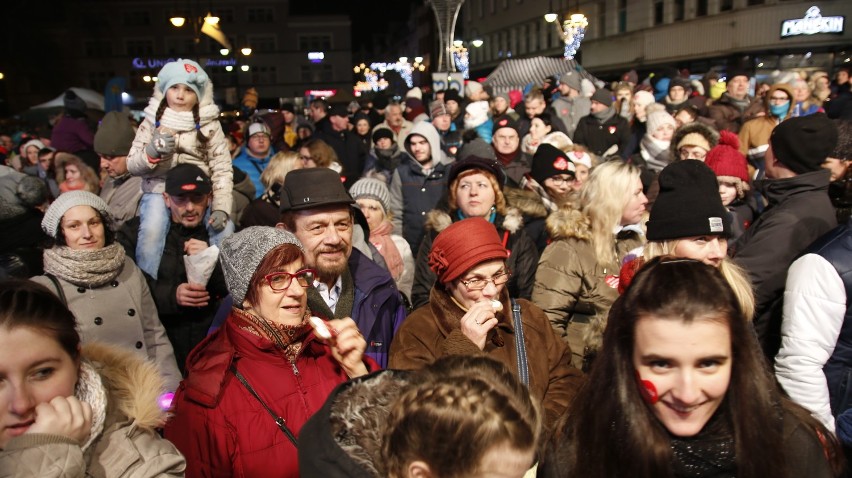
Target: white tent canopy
(514, 74)
(93, 99)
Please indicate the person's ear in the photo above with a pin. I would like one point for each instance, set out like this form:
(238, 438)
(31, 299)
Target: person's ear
(418, 469)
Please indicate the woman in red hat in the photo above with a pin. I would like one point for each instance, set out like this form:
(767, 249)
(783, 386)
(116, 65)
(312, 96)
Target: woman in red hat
(470, 312)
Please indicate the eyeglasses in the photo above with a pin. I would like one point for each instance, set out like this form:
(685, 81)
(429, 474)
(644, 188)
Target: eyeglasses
(479, 283)
(776, 99)
(560, 180)
(697, 153)
(280, 281)
(305, 159)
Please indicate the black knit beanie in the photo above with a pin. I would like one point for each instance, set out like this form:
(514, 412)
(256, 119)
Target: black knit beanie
(688, 203)
(549, 161)
(803, 143)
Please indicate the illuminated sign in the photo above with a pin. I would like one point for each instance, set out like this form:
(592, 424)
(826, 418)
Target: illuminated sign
(316, 56)
(812, 24)
(154, 63)
(325, 93)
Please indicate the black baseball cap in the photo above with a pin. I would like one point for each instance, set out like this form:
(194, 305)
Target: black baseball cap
(187, 179)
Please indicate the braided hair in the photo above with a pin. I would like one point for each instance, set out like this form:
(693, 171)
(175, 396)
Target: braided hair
(195, 116)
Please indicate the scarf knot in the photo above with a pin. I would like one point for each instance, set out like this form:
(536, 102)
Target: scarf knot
(85, 267)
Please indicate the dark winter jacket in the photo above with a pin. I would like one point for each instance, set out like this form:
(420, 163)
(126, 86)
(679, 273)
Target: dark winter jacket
(522, 261)
(799, 212)
(726, 114)
(186, 326)
(599, 137)
(348, 148)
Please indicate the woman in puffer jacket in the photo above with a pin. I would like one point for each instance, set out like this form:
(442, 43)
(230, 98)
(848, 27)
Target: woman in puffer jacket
(577, 275)
(69, 411)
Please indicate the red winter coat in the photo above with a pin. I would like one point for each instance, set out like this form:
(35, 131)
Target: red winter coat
(222, 430)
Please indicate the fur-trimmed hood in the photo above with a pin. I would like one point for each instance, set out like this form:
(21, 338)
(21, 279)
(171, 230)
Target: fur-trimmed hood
(344, 438)
(569, 223)
(133, 385)
(527, 202)
(437, 220)
(708, 132)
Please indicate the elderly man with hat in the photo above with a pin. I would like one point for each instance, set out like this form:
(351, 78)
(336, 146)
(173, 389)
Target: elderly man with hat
(255, 155)
(570, 106)
(799, 211)
(471, 311)
(316, 208)
(122, 191)
(475, 189)
(333, 129)
(729, 111)
(186, 308)
(603, 131)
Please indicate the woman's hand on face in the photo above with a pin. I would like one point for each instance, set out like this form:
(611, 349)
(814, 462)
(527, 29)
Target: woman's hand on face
(348, 347)
(66, 416)
(478, 320)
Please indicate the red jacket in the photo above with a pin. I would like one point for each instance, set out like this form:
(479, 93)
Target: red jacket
(221, 428)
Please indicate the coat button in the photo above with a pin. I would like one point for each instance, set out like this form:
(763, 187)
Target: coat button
(99, 321)
(81, 290)
(114, 283)
(131, 312)
(138, 345)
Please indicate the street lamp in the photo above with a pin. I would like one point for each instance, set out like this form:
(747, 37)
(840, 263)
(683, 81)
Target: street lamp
(224, 51)
(477, 42)
(177, 21)
(211, 19)
(246, 51)
(550, 17)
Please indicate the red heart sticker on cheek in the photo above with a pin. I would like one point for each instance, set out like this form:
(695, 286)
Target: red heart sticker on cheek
(648, 391)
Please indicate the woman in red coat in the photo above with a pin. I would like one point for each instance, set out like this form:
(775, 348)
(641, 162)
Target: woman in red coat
(252, 384)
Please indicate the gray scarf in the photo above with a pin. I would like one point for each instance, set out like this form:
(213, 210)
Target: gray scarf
(87, 268)
(655, 153)
(604, 115)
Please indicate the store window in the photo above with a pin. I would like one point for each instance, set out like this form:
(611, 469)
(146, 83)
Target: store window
(658, 12)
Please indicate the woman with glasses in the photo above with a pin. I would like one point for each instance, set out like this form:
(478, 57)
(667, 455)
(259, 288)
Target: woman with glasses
(470, 312)
(475, 189)
(252, 384)
(316, 153)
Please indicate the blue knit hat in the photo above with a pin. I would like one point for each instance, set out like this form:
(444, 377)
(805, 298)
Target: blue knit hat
(185, 72)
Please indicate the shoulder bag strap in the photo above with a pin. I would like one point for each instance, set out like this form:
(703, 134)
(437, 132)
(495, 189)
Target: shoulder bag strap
(59, 291)
(278, 420)
(520, 345)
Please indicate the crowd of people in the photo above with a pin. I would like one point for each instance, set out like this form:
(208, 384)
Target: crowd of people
(637, 279)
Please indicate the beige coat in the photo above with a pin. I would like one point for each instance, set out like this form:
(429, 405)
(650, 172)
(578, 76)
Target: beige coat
(122, 313)
(122, 196)
(129, 445)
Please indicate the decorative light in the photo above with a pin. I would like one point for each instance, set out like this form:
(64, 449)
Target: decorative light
(550, 17)
(146, 78)
(2, 76)
(403, 59)
(477, 42)
(458, 43)
(155, 79)
(210, 19)
(245, 51)
(418, 59)
(229, 68)
(404, 69)
(177, 21)
(224, 51)
(572, 33)
(422, 67)
(362, 66)
(461, 58)
(244, 68)
(357, 69)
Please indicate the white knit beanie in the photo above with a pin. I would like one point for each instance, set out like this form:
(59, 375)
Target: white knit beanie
(65, 201)
(415, 92)
(478, 111)
(472, 88)
(371, 188)
(658, 119)
(242, 253)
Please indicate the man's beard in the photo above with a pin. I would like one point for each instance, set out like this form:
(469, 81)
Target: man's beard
(328, 272)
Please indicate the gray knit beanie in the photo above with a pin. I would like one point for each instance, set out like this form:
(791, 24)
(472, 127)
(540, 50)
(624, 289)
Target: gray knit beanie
(65, 201)
(371, 188)
(242, 253)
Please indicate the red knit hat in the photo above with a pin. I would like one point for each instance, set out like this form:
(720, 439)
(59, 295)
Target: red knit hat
(462, 246)
(726, 160)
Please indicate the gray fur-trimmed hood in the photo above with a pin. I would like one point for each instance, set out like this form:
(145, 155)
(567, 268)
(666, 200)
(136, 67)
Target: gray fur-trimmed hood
(437, 220)
(708, 132)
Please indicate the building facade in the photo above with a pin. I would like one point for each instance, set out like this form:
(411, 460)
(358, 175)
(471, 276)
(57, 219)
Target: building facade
(290, 55)
(647, 34)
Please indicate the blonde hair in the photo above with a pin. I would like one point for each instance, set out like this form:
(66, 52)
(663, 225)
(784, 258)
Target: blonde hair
(736, 277)
(604, 208)
(499, 198)
(279, 165)
(87, 174)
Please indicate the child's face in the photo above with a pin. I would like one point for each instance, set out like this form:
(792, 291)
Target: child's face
(181, 98)
(728, 191)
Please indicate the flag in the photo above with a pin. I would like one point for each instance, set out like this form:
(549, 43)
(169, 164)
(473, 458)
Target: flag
(214, 32)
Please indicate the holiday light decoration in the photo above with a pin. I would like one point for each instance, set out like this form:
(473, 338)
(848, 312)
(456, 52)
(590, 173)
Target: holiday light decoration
(572, 32)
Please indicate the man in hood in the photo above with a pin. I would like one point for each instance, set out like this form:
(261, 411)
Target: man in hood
(418, 182)
(570, 106)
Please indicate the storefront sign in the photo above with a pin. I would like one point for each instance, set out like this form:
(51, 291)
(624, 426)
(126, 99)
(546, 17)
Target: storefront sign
(316, 56)
(812, 24)
(156, 63)
(315, 93)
